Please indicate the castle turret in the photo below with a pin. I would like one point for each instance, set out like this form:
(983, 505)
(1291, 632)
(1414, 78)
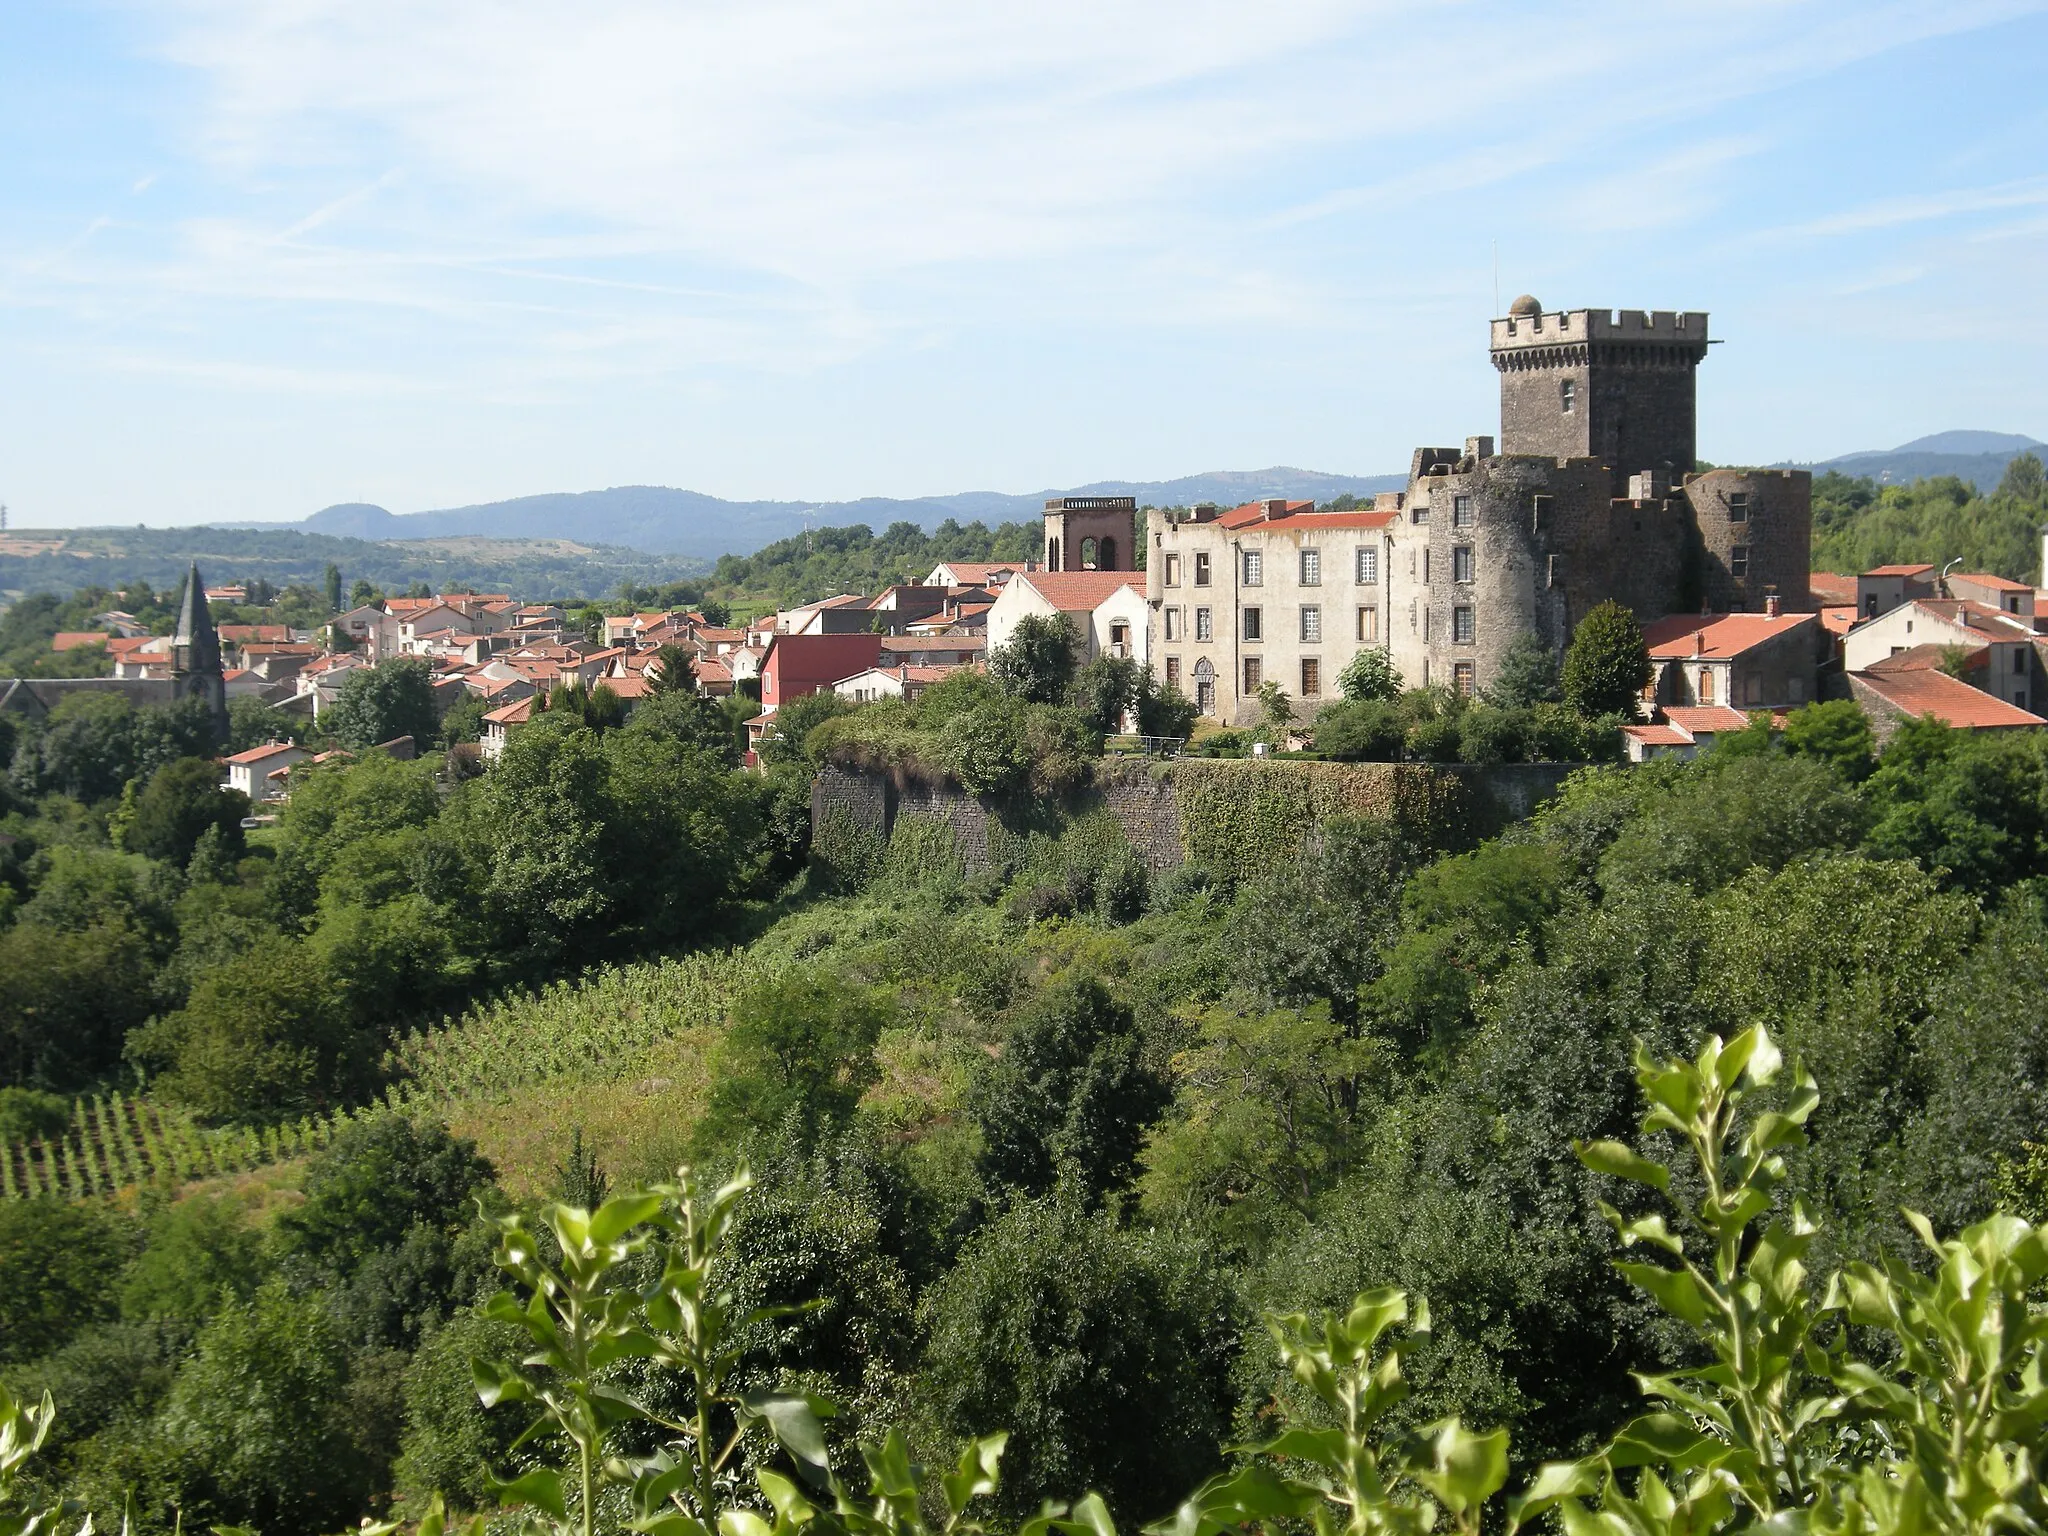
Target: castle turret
(195, 653)
(1615, 385)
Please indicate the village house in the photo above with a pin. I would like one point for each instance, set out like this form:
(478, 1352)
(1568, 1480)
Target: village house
(2004, 639)
(260, 772)
(1898, 688)
(1681, 731)
(1106, 610)
(1764, 660)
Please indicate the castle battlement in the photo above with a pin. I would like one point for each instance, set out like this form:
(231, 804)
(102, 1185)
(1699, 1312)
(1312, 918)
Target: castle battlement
(1664, 327)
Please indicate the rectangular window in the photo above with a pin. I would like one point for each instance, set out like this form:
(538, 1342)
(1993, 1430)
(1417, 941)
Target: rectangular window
(1419, 513)
(1368, 566)
(1738, 562)
(1173, 623)
(1204, 629)
(1254, 674)
(1311, 677)
(1461, 678)
(1254, 568)
(1311, 624)
(1368, 625)
(1201, 570)
(1311, 567)
(1173, 671)
(1425, 567)
(1462, 563)
(1254, 624)
(1539, 519)
(1461, 625)
(1738, 506)
(1461, 511)
(1425, 621)
(1173, 570)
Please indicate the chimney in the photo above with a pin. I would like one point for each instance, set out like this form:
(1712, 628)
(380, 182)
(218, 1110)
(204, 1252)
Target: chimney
(1772, 607)
(1276, 506)
(1699, 642)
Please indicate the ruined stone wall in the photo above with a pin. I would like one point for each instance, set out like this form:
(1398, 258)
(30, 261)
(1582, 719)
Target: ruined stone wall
(1151, 802)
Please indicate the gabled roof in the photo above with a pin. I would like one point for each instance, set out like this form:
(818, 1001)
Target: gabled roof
(1717, 636)
(1924, 691)
(1838, 620)
(512, 714)
(73, 639)
(1994, 623)
(1078, 591)
(260, 754)
(1899, 570)
(1657, 735)
(1300, 516)
(1919, 658)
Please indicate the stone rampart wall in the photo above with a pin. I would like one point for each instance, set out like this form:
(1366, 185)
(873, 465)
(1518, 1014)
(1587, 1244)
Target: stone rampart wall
(1147, 799)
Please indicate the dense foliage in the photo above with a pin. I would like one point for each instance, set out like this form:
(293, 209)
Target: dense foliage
(827, 561)
(1858, 524)
(1038, 1141)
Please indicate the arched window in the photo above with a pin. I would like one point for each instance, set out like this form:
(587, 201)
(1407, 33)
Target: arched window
(1088, 554)
(1105, 556)
(1052, 554)
(1205, 686)
(1568, 396)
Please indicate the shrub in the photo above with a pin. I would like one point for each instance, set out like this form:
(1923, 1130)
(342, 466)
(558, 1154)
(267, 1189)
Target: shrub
(986, 750)
(1361, 731)
(1435, 740)
(1369, 676)
(1121, 888)
(1488, 735)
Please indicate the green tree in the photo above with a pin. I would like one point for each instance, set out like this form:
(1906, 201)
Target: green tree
(1607, 665)
(61, 1259)
(1070, 1097)
(795, 720)
(1837, 733)
(382, 1225)
(2024, 479)
(1370, 674)
(258, 1423)
(381, 703)
(1527, 675)
(797, 1056)
(671, 671)
(331, 583)
(262, 1038)
(69, 999)
(201, 1252)
(1036, 663)
(1105, 1352)
(182, 801)
(253, 723)
(1105, 690)
(1163, 710)
(986, 750)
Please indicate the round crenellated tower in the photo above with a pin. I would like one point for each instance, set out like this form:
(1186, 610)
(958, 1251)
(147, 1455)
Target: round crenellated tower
(1756, 533)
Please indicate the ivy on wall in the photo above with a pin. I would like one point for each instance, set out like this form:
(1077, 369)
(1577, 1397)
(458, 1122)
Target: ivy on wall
(1242, 817)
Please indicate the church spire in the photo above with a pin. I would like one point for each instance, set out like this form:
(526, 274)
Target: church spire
(196, 645)
(195, 654)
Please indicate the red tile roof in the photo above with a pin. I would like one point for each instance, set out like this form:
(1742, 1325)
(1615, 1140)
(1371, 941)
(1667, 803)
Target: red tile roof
(72, 639)
(934, 642)
(258, 754)
(1925, 691)
(1919, 658)
(1899, 570)
(1079, 591)
(511, 714)
(1832, 588)
(1720, 635)
(1300, 515)
(1657, 735)
(1995, 583)
(1697, 719)
(978, 573)
(1838, 621)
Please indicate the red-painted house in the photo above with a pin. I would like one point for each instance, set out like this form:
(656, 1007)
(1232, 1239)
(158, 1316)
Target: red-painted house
(799, 664)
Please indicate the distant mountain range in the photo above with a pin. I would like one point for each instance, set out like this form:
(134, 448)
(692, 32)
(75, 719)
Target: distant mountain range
(670, 522)
(1978, 457)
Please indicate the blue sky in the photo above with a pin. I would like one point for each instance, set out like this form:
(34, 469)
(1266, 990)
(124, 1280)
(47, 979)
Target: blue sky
(257, 256)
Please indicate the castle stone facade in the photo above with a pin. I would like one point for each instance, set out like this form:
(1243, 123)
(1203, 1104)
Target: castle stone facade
(1593, 495)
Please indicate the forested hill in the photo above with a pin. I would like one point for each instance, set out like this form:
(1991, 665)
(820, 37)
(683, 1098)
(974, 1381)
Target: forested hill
(826, 561)
(1858, 524)
(62, 560)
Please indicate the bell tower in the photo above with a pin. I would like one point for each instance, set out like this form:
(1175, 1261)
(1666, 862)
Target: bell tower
(195, 654)
(1091, 533)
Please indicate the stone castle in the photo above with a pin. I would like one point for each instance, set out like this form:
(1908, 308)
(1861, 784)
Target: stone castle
(1594, 494)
